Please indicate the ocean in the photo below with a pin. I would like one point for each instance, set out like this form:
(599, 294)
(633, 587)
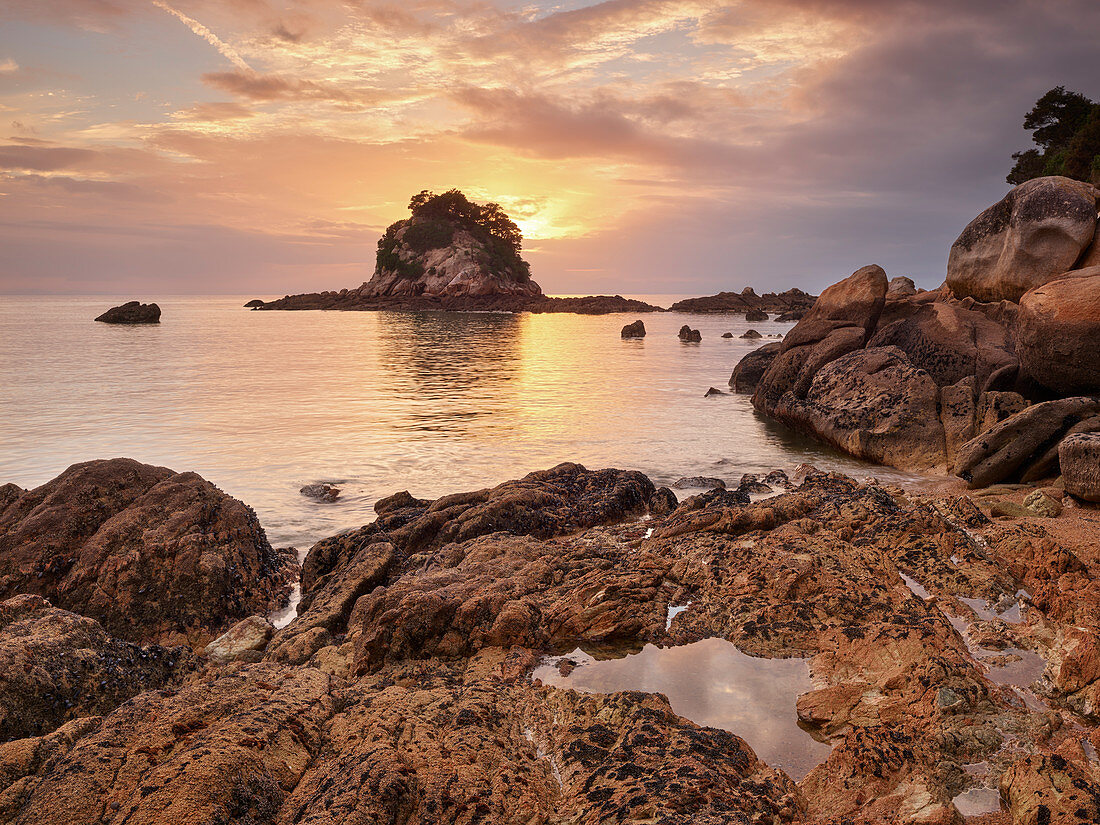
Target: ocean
(262, 403)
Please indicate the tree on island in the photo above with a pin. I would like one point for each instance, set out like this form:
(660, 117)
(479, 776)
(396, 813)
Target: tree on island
(1066, 127)
(432, 226)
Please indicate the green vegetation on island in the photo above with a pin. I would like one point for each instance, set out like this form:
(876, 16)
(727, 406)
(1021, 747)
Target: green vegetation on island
(434, 222)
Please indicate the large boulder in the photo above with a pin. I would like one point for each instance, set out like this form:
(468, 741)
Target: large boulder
(634, 330)
(56, 666)
(951, 343)
(1036, 233)
(1025, 441)
(1058, 333)
(132, 312)
(875, 405)
(1079, 457)
(838, 323)
(152, 554)
(751, 368)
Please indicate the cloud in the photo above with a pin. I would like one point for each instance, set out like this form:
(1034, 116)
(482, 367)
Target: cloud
(8, 66)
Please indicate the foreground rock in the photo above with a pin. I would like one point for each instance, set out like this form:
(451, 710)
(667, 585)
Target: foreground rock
(132, 312)
(1036, 233)
(339, 570)
(751, 368)
(417, 702)
(151, 554)
(56, 666)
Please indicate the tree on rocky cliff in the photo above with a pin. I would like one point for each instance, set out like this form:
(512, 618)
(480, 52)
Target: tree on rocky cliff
(434, 221)
(454, 206)
(1066, 128)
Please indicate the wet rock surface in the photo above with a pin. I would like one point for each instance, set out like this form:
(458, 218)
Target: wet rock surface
(151, 554)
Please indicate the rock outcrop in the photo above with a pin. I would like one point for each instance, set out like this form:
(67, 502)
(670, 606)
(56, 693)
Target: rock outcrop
(689, 335)
(1037, 232)
(417, 700)
(151, 554)
(634, 330)
(1015, 325)
(132, 312)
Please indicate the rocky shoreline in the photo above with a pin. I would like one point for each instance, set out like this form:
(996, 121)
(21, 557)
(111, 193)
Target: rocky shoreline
(952, 649)
(984, 377)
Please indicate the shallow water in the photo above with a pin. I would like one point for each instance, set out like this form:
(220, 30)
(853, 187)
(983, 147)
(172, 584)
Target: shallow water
(261, 403)
(712, 683)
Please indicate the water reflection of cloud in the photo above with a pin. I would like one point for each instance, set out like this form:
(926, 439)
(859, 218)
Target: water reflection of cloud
(713, 683)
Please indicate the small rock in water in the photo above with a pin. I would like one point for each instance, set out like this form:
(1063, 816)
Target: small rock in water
(698, 481)
(752, 334)
(754, 315)
(690, 335)
(635, 330)
(727, 334)
(255, 302)
(132, 312)
(713, 391)
(320, 491)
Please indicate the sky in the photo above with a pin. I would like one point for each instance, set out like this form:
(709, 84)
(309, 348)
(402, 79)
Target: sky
(152, 147)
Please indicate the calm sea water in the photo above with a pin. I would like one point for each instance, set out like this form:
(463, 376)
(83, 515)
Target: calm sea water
(261, 403)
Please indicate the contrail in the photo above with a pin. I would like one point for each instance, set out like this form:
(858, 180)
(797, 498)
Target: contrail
(207, 35)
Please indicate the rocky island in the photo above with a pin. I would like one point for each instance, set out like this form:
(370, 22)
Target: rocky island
(452, 254)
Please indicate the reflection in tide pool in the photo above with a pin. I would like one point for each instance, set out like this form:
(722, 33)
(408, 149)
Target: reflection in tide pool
(712, 683)
(261, 403)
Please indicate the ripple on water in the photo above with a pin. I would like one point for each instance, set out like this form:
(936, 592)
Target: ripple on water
(712, 683)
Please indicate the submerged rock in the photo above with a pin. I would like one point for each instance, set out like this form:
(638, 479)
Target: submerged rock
(321, 491)
(132, 312)
(689, 482)
(151, 554)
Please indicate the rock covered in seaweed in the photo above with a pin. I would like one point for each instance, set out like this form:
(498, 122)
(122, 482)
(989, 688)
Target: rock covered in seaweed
(151, 554)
